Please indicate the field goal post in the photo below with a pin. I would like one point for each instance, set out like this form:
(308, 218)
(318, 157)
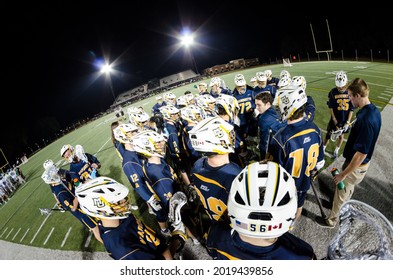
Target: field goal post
(286, 62)
(3, 161)
(329, 51)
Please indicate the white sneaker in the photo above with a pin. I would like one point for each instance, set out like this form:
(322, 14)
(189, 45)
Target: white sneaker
(335, 153)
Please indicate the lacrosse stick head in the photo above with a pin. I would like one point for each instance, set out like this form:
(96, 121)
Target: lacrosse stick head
(80, 153)
(45, 211)
(364, 234)
(336, 134)
(177, 201)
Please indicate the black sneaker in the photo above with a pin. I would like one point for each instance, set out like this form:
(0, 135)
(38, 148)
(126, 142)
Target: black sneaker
(323, 222)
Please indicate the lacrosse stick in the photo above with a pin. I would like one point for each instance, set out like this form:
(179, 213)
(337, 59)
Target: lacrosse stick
(177, 201)
(48, 211)
(318, 200)
(364, 234)
(337, 133)
(80, 153)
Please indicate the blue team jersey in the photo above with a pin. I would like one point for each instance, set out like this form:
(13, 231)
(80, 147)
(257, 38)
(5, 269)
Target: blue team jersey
(65, 194)
(173, 139)
(341, 105)
(213, 185)
(246, 103)
(82, 168)
(132, 240)
(298, 147)
(364, 133)
(268, 124)
(132, 167)
(156, 108)
(224, 243)
(268, 88)
(160, 179)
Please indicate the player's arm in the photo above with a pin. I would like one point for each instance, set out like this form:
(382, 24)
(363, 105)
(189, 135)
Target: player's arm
(333, 116)
(356, 161)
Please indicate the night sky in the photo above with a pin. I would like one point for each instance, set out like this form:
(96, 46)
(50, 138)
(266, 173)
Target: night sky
(51, 50)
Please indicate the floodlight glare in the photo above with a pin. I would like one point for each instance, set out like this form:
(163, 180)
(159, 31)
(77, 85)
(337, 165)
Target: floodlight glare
(187, 40)
(106, 68)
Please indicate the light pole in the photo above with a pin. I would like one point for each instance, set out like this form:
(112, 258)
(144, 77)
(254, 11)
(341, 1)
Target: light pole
(107, 69)
(187, 40)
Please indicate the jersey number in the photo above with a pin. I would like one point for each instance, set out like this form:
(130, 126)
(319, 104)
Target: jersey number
(312, 157)
(343, 104)
(245, 107)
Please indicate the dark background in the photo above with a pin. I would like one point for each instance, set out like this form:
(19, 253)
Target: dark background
(50, 79)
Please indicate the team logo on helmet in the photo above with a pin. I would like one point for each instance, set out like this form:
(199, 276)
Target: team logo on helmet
(98, 202)
(218, 132)
(285, 100)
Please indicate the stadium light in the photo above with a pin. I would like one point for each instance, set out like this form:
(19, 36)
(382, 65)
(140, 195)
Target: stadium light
(107, 69)
(187, 40)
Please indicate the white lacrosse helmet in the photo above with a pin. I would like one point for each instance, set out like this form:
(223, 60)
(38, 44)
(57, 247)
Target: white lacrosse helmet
(240, 80)
(48, 164)
(261, 76)
(215, 81)
(122, 132)
(341, 79)
(284, 82)
(182, 101)
(298, 81)
(170, 112)
(159, 98)
(284, 73)
(262, 201)
(268, 73)
(206, 101)
(169, 98)
(253, 79)
(103, 198)
(213, 135)
(80, 153)
(147, 143)
(139, 119)
(289, 100)
(229, 104)
(189, 97)
(72, 152)
(193, 113)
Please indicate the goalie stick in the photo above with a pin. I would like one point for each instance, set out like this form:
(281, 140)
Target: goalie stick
(337, 133)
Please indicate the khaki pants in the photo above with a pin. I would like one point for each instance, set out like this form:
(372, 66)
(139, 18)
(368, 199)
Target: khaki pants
(341, 196)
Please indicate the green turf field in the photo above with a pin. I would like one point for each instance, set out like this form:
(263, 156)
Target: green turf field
(21, 221)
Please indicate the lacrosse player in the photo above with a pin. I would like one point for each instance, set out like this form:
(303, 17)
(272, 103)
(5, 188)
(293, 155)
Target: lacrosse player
(84, 164)
(341, 110)
(358, 149)
(297, 146)
(159, 176)
(62, 183)
(212, 175)
(262, 206)
(132, 163)
(124, 236)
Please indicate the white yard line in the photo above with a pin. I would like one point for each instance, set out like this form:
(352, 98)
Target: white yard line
(39, 229)
(88, 240)
(49, 235)
(16, 233)
(9, 233)
(66, 237)
(24, 235)
(3, 232)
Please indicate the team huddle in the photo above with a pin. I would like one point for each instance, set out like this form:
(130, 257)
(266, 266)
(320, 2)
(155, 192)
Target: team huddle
(228, 169)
